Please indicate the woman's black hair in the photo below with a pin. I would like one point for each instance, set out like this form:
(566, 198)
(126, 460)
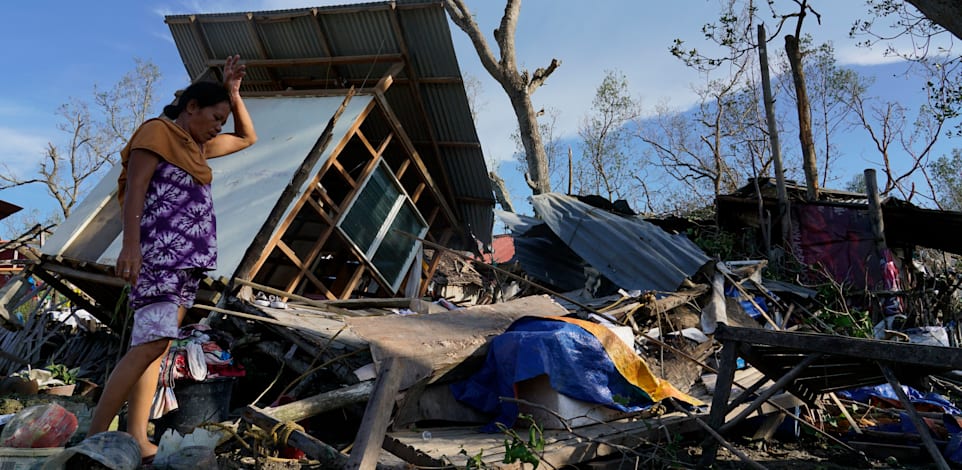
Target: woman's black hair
(206, 94)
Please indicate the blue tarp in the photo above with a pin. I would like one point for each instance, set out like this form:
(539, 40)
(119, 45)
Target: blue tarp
(574, 360)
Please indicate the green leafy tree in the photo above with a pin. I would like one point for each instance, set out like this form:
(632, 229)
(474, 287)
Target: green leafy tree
(948, 181)
(606, 162)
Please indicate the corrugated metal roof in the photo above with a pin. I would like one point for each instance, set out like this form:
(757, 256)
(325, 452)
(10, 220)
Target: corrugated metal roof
(365, 40)
(632, 253)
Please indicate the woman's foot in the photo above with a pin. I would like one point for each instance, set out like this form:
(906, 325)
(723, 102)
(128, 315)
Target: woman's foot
(147, 452)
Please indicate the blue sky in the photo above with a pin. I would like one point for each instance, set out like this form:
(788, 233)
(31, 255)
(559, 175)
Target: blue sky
(58, 49)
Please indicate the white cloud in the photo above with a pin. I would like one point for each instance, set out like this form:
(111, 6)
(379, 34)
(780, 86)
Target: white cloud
(20, 151)
(853, 55)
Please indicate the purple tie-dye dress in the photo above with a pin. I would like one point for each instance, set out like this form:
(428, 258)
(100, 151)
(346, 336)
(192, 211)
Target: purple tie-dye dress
(178, 229)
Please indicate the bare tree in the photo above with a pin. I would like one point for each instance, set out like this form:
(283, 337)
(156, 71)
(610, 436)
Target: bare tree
(519, 84)
(930, 28)
(891, 127)
(94, 137)
(945, 13)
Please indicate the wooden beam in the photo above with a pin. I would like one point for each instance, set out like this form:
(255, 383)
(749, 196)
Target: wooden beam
(889, 351)
(322, 403)
(111, 281)
(415, 88)
(300, 62)
(920, 425)
(377, 416)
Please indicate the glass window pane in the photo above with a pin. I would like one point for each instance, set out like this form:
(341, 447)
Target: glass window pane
(370, 210)
(393, 254)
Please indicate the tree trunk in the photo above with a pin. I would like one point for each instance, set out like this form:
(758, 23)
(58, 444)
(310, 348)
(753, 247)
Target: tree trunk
(809, 164)
(501, 193)
(518, 84)
(945, 13)
(783, 209)
(537, 175)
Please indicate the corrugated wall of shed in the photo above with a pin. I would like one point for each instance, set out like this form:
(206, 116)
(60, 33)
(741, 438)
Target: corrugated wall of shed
(468, 176)
(479, 220)
(360, 33)
(429, 43)
(631, 252)
(405, 107)
(447, 106)
(191, 53)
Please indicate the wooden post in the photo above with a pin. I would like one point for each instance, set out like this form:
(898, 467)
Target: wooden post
(875, 209)
(783, 214)
(377, 416)
(719, 405)
(878, 225)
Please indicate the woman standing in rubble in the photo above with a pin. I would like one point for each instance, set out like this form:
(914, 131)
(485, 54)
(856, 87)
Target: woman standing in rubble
(169, 233)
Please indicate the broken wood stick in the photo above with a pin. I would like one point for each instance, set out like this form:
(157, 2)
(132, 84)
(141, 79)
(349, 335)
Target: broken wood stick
(328, 456)
(291, 296)
(846, 414)
(920, 425)
(507, 273)
(327, 401)
(718, 438)
(377, 416)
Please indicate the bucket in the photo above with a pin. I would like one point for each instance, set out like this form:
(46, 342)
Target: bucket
(197, 402)
(12, 458)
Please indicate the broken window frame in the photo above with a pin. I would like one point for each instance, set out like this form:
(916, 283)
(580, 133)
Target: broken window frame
(402, 200)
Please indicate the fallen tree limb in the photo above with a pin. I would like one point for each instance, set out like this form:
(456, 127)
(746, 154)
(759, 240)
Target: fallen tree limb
(317, 404)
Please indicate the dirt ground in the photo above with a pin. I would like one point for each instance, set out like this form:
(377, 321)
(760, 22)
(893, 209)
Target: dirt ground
(807, 454)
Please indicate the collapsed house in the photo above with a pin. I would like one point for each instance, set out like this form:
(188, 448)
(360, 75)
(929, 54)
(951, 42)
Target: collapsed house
(367, 145)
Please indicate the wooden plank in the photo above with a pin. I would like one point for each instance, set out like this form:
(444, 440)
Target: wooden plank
(377, 416)
(719, 404)
(910, 410)
(938, 357)
(454, 336)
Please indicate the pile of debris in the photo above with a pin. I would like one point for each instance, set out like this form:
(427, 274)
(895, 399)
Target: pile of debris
(561, 378)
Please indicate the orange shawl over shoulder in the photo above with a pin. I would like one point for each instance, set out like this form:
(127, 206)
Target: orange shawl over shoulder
(170, 142)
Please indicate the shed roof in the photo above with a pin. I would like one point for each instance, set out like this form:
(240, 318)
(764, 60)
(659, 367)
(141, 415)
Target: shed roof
(333, 48)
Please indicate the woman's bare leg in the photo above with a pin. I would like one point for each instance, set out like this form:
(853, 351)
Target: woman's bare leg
(134, 379)
(142, 396)
(128, 372)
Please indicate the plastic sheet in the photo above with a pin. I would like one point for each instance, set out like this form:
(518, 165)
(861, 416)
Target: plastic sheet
(47, 425)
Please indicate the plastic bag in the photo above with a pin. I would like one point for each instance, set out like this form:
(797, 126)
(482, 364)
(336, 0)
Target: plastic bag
(47, 425)
(111, 449)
